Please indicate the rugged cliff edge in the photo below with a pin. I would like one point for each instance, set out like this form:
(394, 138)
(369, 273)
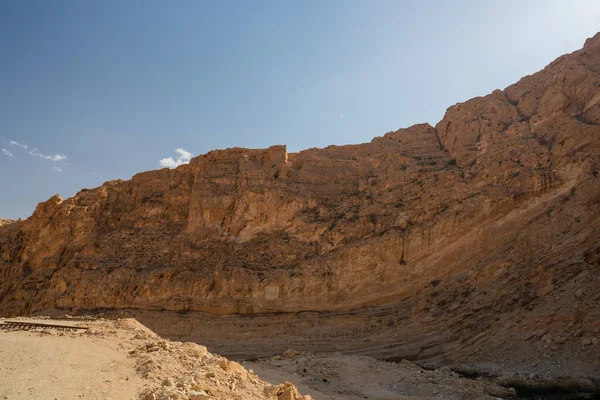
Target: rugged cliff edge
(5, 221)
(477, 239)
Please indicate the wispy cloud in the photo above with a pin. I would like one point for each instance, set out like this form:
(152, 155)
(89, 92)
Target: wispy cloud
(36, 153)
(184, 157)
(57, 169)
(24, 146)
(51, 157)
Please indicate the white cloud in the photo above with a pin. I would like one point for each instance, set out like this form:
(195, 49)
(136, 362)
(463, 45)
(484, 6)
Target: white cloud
(57, 169)
(18, 144)
(184, 157)
(51, 157)
(341, 115)
(184, 154)
(36, 153)
(168, 162)
(7, 153)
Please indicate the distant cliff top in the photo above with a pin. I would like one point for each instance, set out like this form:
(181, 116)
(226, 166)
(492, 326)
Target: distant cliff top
(6, 221)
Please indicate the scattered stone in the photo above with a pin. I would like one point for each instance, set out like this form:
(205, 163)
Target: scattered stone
(197, 395)
(291, 353)
(287, 391)
(270, 391)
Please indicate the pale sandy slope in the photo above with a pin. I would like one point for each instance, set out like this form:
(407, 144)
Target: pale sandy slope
(36, 365)
(121, 360)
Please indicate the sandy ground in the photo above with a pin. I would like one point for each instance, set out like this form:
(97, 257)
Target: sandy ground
(38, 365)
(337, 377)
(120, 360)
(275, 375)
(318, 392)
(123, 360)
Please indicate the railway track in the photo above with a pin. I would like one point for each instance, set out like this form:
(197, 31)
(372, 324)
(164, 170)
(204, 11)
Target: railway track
(29, 326)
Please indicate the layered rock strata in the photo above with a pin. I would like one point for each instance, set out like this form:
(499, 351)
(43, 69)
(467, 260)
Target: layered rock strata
(473, 239)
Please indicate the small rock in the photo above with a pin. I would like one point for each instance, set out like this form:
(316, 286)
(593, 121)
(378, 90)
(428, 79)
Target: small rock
(579, 293)
(532, 376)
(545, 291)
(197, 395)
(291, 353)
(288, 391)
(546, 338)
(560, 339)
(236, 368)
(269, 391)
(168, 382)
(223, 363)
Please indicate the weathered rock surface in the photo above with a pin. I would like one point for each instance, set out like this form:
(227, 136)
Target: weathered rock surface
(460, 242)
(4, 221)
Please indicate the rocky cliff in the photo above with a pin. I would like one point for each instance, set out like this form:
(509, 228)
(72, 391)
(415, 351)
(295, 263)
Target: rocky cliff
(475, 239)
(4, 221)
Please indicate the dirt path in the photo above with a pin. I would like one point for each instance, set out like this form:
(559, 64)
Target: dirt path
(35, 365)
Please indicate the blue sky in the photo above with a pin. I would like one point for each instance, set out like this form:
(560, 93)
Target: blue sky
(100, 90)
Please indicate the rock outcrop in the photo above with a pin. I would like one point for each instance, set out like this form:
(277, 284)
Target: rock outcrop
(4, 221)
(474, 239)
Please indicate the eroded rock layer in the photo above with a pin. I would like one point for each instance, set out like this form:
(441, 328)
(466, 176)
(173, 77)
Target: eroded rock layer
(474, 238)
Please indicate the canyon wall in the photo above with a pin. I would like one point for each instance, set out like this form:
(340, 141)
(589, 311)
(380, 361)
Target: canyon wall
(476, 238)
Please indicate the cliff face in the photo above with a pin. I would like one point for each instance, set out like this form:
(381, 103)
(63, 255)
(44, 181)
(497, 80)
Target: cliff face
(488, 220)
